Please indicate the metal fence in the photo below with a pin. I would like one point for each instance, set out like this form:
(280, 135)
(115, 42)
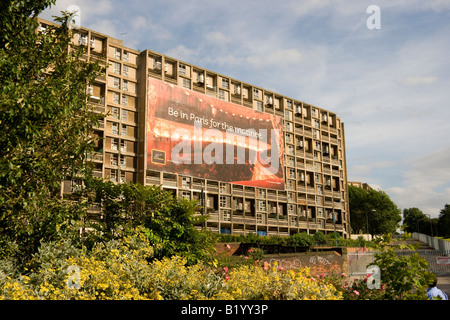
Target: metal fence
(438, 261)
(437, 244)
(358, 261)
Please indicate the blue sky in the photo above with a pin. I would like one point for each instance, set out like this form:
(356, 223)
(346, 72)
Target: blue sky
(390, 86)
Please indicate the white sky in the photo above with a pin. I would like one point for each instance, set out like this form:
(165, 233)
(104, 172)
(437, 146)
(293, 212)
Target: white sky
(390, 87)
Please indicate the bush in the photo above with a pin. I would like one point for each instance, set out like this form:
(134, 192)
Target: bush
(301, 239)
(273, 283)
(113, 270)
(119, 269)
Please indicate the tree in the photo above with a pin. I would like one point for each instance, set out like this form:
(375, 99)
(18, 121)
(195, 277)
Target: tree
(46, 127)
(170, 222)
(372, 210)
(414, 220)
(444, 222)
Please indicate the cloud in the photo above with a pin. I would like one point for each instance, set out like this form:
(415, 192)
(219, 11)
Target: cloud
(426, 182)
(366, 168)
(183, 53)
(417, 80)
(277, 58)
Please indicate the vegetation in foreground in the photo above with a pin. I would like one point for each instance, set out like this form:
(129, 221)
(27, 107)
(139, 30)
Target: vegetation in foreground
(145, 245)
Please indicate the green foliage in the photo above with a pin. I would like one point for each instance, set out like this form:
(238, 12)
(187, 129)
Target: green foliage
(320, 238)
(374, 207)
(404, 276)
(444, 222)
(112, 270)
(301, 239)
(414, 220)
(355, 289)
(46, 127)
(119, 269)
(171, 223)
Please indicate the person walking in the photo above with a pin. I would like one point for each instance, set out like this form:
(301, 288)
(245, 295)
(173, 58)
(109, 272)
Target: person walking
(434, 293)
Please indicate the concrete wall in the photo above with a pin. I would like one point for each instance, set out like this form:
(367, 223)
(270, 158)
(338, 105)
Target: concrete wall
(319, 262)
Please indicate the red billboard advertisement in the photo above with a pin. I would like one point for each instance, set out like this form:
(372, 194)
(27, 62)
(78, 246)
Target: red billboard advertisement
(197, 135)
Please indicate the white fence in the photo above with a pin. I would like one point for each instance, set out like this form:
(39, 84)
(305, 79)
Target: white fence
(438, 259)
(437, 244)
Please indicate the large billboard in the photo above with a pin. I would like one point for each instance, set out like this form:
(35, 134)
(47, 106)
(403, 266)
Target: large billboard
(197, 135)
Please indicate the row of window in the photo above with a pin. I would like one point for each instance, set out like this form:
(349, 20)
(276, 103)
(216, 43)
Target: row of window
(210, 81)
(119, 55)
(121, 70)
(117, 129)
(116, 99)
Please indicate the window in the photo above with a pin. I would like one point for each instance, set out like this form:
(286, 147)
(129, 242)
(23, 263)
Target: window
(126, 56)
(320, 211)
(317, 145)
(124, 100)
(157, 64)
(124, 115)
(115, 128)
(288, 115)
(187, 83)
(221, 94)
(186, 194)
(125, 85)
(124, 130)
(185, 182)
(182, 70)
(117, 53)
(122, 177)
(123, 146)
(316, 134)
(289, 104)
(115, 113)
(292, 173)
(291, 150)
(291, 162)
(291, 209)
(122, 161)
(114, 144)
(223, 188)
(262, 205)
(225, 84)
(116, 67)
(255, 93)
(316, 124)
(259, 106)
(113, 176)
(289, 138)
(125, 71)
(116, 83)
(223, 202)
(116, 97)
(83, 40)
(114, 159)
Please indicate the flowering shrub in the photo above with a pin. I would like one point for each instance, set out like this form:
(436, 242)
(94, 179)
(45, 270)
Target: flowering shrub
(271, 282)
(355, 289)
(119, 271)
(114, 270)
